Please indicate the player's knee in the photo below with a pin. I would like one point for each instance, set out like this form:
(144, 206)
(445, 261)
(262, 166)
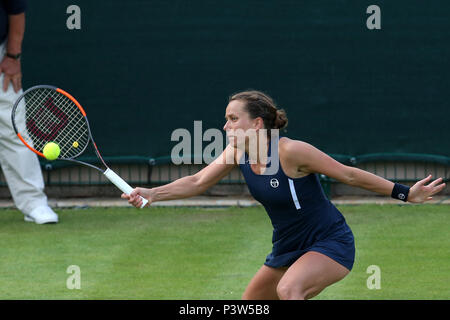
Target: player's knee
(294, 292)
(287, 291)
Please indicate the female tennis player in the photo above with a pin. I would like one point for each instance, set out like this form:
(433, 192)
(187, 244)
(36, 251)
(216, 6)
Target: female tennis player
(313, 247)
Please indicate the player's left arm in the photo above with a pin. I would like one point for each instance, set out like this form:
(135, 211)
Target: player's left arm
(310, 159)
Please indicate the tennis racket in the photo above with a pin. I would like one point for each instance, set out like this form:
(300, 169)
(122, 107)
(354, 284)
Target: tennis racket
(44, 114)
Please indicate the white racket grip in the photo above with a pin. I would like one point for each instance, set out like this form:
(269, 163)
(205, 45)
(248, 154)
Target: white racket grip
(121, 184)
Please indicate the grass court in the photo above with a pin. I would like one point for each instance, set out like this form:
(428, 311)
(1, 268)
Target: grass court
(211, 253)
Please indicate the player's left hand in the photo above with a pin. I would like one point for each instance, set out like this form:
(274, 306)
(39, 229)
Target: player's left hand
(420, 192)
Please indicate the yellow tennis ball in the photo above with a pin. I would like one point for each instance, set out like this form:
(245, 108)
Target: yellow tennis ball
(75, 144)
(51, 151)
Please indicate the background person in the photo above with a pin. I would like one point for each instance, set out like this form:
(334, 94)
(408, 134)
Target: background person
(20, 165)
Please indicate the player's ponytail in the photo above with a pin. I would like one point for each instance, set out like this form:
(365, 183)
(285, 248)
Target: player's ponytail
(281, 120)
(259, 104)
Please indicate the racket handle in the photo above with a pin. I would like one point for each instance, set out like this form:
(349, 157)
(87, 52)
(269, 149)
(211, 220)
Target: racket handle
(121, 184)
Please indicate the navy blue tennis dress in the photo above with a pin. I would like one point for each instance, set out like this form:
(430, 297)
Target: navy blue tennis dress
(303, 218)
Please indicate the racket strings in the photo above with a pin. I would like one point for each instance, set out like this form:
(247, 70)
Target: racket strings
(52, 117)
(49, 113)
(78, 129)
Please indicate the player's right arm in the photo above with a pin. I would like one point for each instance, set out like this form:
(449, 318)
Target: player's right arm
(188, 186)
(10, 67)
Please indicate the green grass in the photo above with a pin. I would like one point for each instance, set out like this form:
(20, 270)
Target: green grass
(200, 253)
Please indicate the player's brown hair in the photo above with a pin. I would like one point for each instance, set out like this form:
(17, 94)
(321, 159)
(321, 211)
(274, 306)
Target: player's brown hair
(259, 104)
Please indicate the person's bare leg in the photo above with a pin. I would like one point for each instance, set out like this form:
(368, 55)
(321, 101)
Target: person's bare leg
(309, 275)
(263, 285)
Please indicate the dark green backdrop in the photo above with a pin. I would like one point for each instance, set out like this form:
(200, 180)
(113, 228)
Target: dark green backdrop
(144, 68)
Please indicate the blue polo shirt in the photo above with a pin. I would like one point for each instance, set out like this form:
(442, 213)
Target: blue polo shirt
(9, 7)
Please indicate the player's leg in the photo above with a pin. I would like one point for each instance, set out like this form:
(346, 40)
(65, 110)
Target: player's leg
(263, 285)
(309, 275)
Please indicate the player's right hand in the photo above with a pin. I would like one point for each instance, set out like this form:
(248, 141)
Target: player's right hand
(12, 73)
(134, 198)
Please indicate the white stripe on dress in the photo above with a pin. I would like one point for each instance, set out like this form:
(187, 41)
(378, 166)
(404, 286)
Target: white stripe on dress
(294, 194)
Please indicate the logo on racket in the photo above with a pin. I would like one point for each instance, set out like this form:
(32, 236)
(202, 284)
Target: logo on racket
(52, 127)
